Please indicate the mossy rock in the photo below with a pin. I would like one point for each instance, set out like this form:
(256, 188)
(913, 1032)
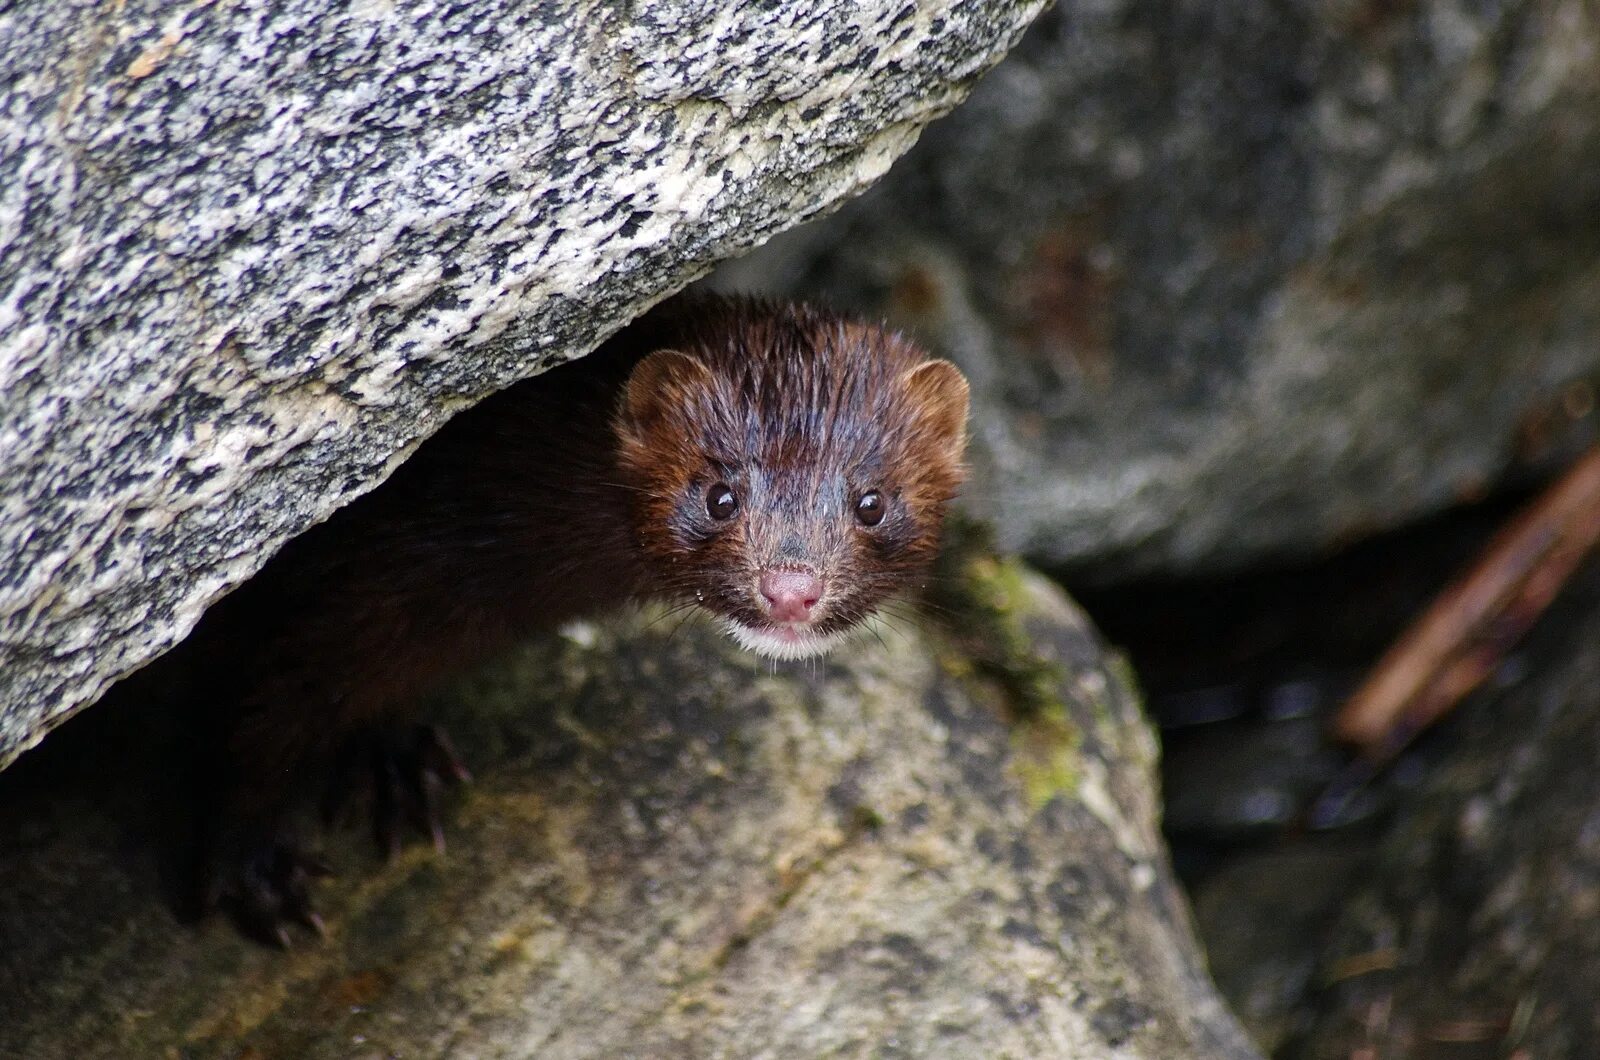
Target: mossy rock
(672, 849)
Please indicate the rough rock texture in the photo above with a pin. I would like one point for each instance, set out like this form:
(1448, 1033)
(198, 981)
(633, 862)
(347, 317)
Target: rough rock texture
(1477, 933)
(250, 252)
(1234, 280)
(919, 847)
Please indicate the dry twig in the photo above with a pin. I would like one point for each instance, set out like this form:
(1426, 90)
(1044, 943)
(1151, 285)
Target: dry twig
(1461, 637)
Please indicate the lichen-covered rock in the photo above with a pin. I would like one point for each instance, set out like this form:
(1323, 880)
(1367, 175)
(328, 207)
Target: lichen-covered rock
(920, 847)
(250, 252)
(1476, 924)
(1238, 280)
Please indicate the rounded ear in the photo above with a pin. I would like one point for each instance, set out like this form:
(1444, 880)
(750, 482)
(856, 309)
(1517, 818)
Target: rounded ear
(940, 394)
(656, 384)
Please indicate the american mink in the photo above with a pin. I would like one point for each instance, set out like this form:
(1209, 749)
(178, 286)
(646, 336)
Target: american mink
(785, 469)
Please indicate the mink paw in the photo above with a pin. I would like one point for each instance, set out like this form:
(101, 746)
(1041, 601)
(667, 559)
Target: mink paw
(405, 776)
(268, 889)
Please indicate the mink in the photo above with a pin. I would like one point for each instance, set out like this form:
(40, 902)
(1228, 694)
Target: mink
(783, 468)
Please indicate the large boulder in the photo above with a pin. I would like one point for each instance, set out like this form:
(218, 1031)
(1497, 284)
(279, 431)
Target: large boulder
(250, 253)
(1243, 281)
(929, 845)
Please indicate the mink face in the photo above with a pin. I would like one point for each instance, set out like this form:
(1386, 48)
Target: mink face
(791, 471)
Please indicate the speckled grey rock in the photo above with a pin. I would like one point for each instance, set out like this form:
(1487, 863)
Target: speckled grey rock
(1476, 930)
(1236, 281)
(671, 851)
(250, 252)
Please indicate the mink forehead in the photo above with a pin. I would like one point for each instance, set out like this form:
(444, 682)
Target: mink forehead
(805, 394)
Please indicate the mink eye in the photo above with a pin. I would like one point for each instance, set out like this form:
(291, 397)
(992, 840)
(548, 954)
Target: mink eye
(870, 508)
(721, 501)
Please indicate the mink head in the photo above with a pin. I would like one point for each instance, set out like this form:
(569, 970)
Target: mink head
(791, 470)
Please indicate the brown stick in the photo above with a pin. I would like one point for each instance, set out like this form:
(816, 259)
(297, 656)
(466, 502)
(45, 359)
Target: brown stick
(1461, 637)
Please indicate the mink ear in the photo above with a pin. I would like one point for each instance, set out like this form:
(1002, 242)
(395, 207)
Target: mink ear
(655, 383)
(939, 391)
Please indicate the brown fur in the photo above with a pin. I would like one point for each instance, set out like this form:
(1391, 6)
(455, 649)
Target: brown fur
(581, 490)
(800, 412)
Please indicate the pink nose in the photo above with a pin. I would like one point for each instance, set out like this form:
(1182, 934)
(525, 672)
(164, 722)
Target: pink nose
(790, 594)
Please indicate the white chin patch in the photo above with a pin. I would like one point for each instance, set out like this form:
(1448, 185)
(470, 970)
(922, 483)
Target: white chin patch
(784, 642)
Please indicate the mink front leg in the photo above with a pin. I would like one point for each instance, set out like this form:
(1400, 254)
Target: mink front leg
(307, 680)
(256, 863)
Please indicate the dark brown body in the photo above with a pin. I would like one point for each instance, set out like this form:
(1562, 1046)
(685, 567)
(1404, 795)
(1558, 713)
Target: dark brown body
(508, 521)
(579, 491)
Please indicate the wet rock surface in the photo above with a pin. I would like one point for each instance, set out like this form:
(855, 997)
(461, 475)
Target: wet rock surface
(1245, 282)
(926, 845)
(1444, 914)
(1475, 933)
(251, 253)
(1265, 916)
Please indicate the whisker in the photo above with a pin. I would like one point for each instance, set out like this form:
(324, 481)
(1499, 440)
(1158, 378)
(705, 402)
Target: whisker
(670, 612)
(885, 624)
(690, 613)
(911, 616)
(924, 604)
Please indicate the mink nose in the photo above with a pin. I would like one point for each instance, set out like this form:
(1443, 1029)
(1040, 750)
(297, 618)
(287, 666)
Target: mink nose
(790, 594)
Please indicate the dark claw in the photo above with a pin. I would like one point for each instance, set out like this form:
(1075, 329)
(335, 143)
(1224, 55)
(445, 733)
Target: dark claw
(270, 888)
(405, 777)
(439, 754)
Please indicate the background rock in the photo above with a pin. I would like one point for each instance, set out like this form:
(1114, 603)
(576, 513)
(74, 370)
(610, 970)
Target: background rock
(1475, 931)
(1264, 919)
(251, 252)
(670, 851)
(1237, 282)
